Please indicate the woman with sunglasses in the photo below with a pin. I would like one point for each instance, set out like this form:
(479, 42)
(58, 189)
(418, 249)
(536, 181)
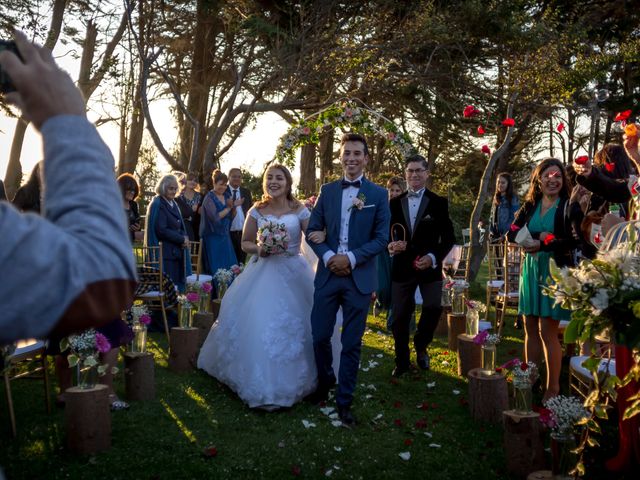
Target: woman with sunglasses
(547, 215)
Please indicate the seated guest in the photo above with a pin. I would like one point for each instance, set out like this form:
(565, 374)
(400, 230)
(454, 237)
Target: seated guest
(164, 224)
(130, 190)
(215, 224)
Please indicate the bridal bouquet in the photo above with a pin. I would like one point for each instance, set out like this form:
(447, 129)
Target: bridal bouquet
(273, 237)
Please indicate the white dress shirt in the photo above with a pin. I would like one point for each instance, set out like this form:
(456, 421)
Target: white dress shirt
(348, 194)
(414, 206)
(238, 221)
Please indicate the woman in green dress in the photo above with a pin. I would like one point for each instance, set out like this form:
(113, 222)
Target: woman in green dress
(547, 215)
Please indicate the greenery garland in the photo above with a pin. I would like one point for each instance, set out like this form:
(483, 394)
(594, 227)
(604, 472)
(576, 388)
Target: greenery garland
(347, 116)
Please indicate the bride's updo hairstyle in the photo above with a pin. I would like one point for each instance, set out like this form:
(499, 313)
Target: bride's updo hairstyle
(218, 176)
(294, 203)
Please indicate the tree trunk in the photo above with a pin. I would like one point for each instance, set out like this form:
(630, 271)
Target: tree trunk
(326, 155)
(13, 175)
(307, 185)
(523, 443)
(139, 376)
(456, 326)
(488, 396)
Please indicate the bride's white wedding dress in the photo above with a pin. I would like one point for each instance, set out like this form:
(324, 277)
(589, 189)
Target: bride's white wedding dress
(261, 344)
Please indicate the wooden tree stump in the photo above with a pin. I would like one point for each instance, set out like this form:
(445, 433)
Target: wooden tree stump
(488, 396)
(456, 325)
(469, 354)
(215, 308)
(139, 376)
(183, 349)
(442, 329)
(540, 475)
(203, 322)
(87, 419)
(523, 442)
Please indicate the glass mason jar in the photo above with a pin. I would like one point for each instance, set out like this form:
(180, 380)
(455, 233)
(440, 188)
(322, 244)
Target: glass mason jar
(87, 377)
(139, 342)
(204, 304)
(457, 301)
(222, 289)
(185, 317)
(488, 359)
(473, 320)
(522, 399)
(445, 298)
(563, 460)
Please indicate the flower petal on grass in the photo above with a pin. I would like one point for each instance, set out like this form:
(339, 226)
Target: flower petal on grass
(337, 449)
(456, 392)
(308, 424)
(435, 445)
(431, 384)
(405, 455)
(336, 423)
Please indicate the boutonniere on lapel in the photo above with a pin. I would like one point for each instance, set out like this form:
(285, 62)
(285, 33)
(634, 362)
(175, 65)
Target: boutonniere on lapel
(426, 217)
(358, 202)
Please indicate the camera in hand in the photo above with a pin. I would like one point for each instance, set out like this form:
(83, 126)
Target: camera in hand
(5, 82)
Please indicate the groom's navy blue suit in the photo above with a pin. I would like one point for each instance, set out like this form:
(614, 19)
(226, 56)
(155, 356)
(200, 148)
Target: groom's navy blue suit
(368, 233)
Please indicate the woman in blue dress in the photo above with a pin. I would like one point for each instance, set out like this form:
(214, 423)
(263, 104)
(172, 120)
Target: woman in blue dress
(550, 221)
(215, 225)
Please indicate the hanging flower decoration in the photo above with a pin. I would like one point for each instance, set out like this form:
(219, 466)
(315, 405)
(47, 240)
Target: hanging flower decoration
(470, 111)
(610, 167)
(622, 116)
(560, 127)
(508, 122)
(481, 130)
(582, 159)
(347, 116)
(486, 149)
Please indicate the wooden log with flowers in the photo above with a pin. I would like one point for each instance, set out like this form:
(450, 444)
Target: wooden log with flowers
(183, 344)
(456, 325)
(523, 442)
(139, 376)
(203, 318)
(350, 115)
(488, 395)
(442, 329)
(469, 354)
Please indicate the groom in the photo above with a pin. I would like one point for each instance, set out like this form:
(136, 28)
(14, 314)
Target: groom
(354, 212)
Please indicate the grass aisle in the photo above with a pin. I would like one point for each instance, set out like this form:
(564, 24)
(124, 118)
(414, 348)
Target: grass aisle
(424, 415)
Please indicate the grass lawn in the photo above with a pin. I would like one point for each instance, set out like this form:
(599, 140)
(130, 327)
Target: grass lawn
(166, 438)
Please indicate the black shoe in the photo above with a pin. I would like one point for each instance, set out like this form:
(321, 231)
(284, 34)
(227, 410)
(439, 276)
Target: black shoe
(347, 418)
(319, 396)
(423, 360)
(518, 324)
(399, 371)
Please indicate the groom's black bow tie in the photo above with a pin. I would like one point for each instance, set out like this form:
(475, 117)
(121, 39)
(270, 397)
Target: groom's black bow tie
(411, 193)
(346, 184)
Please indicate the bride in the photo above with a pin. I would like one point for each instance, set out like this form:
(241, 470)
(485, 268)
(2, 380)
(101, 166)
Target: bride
(261, 345)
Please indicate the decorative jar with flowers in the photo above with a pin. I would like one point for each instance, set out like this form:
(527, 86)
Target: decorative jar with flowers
(474, 308)
(188, 303)
(458, 292)
(138, 318)
(488, 342)
(524, 375)
(84, 351)
(563, 415)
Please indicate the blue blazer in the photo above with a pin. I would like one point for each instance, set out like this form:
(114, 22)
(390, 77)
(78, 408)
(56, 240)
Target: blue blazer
(165, 225)
(368, 231)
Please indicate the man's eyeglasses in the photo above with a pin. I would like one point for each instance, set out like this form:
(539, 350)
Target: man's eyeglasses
(411, 171)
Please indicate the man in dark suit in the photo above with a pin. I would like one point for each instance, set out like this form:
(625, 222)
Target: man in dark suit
(235, 191)
(422, 235)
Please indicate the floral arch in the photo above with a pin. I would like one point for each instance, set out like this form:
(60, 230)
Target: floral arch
(348, 115)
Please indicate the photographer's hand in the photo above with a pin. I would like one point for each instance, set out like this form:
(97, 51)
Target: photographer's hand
(43, 90)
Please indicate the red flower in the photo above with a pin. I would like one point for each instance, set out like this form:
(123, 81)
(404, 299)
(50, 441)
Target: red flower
(486, 149)
(634, 188)
(398, 422)
(424, 406)
(622, 116)
(524, 366)
(408, 442)
(514, 227)
(421, 424)
(560, 127)
(508, 122)
(394, 381)
(210, 451)
(415, 262)
(597, 238)
(480, 130)
(582, 159)
(445, 353)
(610, 167)
(469, 111)
(498, 369)
(434, 405)
(549, 238)
(295, 470)
(397, 405)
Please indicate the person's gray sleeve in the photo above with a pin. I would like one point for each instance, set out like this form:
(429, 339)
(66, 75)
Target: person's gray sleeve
(66, 264)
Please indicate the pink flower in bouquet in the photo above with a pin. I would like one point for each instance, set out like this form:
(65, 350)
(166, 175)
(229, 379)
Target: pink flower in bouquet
(546, 417)
(236, 269)
(306, 130)
(480, 338)
(145, 319)
(206, 287)
(102, 343)
(193, 297)
(511, 363)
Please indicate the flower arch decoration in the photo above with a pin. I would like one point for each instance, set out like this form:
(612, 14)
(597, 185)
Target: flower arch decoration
(348, 115)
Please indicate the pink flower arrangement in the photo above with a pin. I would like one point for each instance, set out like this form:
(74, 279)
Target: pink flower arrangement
(193, 297)
(102, 344)
(206, 287)
(145, 319)
(236, 269)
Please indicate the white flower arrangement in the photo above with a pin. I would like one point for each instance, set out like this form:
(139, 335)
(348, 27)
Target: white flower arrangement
(85, 349)
(566, 412)
(476, 305)
(223, 277)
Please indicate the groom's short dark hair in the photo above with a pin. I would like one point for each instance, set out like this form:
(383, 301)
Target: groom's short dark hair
(417, 159)
(354, 137)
